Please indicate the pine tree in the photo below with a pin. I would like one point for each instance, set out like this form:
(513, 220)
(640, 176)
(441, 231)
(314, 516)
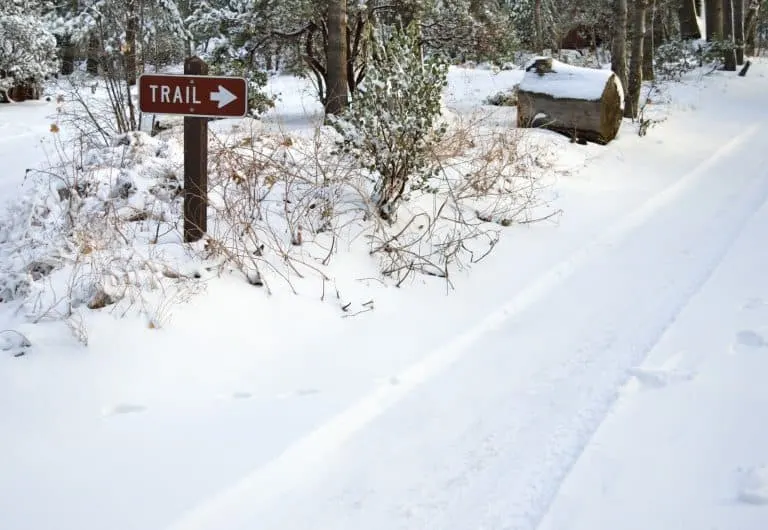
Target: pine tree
(27, 53)
(127, 33)
(392, 124)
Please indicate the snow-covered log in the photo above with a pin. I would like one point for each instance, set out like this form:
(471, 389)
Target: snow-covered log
(585, 103)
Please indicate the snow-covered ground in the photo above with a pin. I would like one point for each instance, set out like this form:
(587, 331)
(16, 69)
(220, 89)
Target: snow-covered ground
(604, 371)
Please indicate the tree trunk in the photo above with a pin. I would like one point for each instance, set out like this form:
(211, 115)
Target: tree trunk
(635, 77)
(131, 30)
(337, 89)
(538, 27)
(738, 30)
(728, 30)
(67, 56)
(649, 45)
(92, 64)
(713, 12)
(619, 47)
(661, 27)
(666, 24)
(689, 26)
(750, 27)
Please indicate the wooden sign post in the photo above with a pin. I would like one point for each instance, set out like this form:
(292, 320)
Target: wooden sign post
(197, 97)
(195, 166)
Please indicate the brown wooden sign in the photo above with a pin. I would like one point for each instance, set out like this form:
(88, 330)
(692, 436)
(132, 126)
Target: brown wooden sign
(193, 95)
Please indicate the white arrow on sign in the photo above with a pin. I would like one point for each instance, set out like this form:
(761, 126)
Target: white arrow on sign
(224, 97)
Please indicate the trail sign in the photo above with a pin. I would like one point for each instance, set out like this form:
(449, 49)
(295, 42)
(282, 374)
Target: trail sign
(199, 96)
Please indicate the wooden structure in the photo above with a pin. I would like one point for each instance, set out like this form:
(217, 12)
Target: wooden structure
(582, 103)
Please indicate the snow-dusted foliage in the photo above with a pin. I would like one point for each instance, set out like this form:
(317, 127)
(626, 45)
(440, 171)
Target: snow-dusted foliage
(676, 58)
(227, 59)
(251, 25)
(208, 21)
(544, 23)
(101, 228)
(94, 229)
(154, 27)
(108, 19)
(229, 35)
(27, 51)
(477, 30)
(392, 125)
(25, 7)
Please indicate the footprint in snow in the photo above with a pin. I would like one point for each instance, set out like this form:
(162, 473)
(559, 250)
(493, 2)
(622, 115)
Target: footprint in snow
(387, 381)
(659, 378)
(299, 393)
(124, 408)
(748, 339)
(754, 486)
(754, 303)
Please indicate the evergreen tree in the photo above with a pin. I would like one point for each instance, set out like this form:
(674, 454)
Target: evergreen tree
(27, 49)
(392, 124)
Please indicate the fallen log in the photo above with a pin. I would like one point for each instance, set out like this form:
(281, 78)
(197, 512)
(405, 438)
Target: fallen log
(582, 103)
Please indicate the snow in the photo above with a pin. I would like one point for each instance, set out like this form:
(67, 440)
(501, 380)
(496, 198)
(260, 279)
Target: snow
(24, 131)
(685, 437)
(602, 371)
(568, 82)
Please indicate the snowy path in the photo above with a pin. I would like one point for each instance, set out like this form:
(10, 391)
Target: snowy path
(482, 433)
(687, 444)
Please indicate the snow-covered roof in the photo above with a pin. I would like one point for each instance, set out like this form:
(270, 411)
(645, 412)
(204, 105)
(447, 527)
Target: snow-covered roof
(566, 81)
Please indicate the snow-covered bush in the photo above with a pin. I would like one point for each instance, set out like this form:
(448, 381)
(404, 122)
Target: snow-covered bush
(467, 30)
(676, 58)
(94, 231)
(287, 204)
(504, 98)
(714, 52)
(208, 22)
(27, 51)
(228, 41)
(392, 124)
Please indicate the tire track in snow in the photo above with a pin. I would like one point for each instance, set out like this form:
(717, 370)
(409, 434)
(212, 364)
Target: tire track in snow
(514, 433)
(758, 201)
(268, 483)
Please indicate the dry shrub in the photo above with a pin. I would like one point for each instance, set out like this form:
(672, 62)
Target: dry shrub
(489, 179)
(283, 203)
(94, 232)
(101, 228)
(280, 202)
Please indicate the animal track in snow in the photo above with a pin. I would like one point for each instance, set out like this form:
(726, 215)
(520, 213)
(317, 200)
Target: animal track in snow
(307, 391)
(751, 338)
(754, 303)
(124, 408)
(748, 339)
(659, 378)
(299, 393)
(387, 381)
(754, 486)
